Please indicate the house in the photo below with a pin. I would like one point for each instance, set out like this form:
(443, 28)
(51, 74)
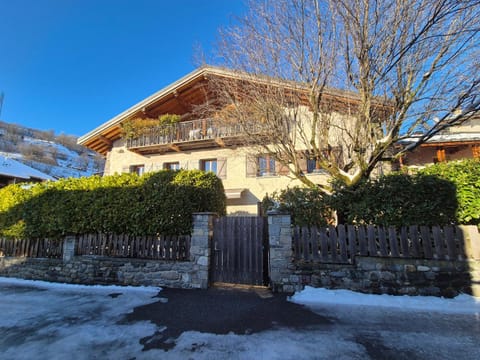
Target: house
(195, 142)
(12, 172)
(454, 143)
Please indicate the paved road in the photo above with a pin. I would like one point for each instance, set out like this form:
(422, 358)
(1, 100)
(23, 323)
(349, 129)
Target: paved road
(67, 323)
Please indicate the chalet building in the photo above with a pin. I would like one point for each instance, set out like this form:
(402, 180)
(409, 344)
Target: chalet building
(455, 143)
(13, 172)
(195, 142)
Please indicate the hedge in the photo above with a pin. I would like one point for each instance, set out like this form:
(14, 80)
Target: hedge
(398, 200)
(465, 175)
(161, 202)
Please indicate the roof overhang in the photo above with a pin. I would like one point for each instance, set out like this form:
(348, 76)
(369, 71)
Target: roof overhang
(179, 96)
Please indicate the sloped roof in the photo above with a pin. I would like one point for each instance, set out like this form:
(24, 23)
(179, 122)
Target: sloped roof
(15, 169)
(176, 99)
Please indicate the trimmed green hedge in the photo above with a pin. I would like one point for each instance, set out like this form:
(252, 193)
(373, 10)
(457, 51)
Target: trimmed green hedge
(399, 200)
(465, 175)
(161, 202)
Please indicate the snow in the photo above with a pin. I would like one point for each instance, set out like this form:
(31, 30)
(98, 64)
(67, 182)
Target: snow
(462, 304)
(148, 290)
(13, 168)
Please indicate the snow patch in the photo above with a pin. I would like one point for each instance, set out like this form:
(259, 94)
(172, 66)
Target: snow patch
(462, 304)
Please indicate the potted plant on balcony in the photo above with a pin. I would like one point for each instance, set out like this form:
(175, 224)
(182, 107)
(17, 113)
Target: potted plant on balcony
(134, 129)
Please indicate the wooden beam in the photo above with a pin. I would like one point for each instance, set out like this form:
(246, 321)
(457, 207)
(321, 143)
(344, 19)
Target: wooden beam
(220, 142)
(174, 147)
(105, 140)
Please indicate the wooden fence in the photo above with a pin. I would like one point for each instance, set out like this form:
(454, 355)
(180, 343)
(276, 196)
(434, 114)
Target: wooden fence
(162, 247)
(342, 243)
(34, 248)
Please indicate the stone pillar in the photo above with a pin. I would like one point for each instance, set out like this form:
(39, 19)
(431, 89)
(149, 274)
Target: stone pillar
(68, 248)
(280, 242)
(200, 248)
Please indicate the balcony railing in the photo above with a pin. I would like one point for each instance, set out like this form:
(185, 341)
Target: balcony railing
(188, 132)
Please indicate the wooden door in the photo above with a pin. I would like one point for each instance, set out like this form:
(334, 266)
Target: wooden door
(240, 250)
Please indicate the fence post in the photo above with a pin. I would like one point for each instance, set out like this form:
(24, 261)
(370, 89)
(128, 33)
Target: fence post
(68, 248)
(200, 248)
(280, 242)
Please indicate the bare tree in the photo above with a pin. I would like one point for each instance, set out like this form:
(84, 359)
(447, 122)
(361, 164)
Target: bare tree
(398, 67)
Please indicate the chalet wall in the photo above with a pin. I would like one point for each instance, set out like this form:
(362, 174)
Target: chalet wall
(120, 159)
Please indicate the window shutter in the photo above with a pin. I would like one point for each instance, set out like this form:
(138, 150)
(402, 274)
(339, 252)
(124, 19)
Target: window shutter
(303, 164)
(281, 169)
(222, 168)
(252, 166)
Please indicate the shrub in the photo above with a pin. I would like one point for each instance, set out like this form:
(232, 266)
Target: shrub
(465, 175)
(307, 206)
(398, 199)
(161, 202)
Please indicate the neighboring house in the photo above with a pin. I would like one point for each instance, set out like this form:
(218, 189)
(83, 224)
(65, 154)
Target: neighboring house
(455, 143)
(12, 172)
(195, 143)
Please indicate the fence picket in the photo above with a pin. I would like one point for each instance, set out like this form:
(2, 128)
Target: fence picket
(315, 239)
(392, 239)
(333, 242)
(362, 240)
(372, 247)
(404, 242)
(450, 240)
(426, 241)
(352, 240)
(415, 243)
(438, 242)
(307, 243)
(342, 241)
(324, 244)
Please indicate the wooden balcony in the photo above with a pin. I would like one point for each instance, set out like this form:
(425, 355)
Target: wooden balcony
(187, 135)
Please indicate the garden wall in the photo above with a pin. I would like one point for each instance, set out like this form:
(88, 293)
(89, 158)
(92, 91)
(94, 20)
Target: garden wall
(327, 262)
(95, 269)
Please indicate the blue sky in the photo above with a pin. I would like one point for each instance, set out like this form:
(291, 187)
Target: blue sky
(70, 65)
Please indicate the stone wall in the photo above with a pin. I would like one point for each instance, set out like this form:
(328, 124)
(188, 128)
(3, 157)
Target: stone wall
(393, 276)
(121, 271)
(376, 275)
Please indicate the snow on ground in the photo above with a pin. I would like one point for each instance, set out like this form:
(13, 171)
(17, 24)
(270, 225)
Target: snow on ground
(462, 304)
(43, 320)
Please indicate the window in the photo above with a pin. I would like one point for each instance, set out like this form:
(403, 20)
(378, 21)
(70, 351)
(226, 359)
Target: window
(138, 169)
(311, 165)
(171, 166)
(266, 166)
(209, 165)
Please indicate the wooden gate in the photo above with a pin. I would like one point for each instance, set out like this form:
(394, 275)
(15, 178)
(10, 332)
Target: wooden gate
(240, 252)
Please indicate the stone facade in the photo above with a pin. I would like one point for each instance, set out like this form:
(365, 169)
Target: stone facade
(377, 275)
(120, 271)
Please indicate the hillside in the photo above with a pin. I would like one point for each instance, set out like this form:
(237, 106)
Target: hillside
(56, 155)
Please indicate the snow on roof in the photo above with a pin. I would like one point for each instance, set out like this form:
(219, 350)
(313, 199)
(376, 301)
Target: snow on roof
(13, 168)
(439, 138)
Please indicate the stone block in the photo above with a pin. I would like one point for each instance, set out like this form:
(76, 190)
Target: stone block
(202, 261)
(410, 268)
(169, 275)
(423, 268)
